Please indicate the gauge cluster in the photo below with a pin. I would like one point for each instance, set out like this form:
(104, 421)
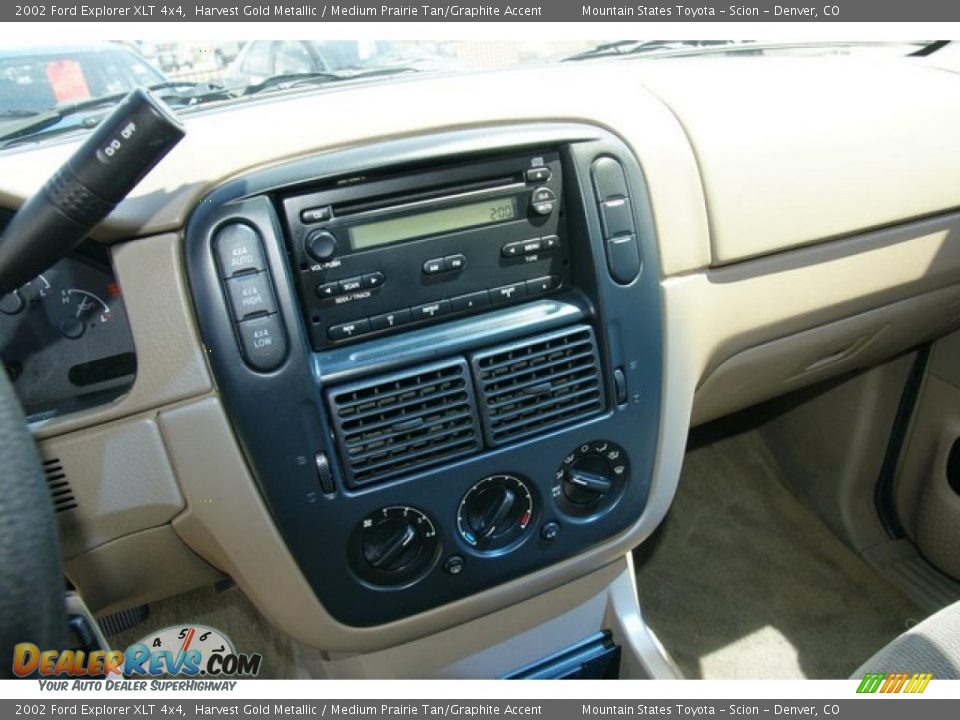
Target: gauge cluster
(64, 337)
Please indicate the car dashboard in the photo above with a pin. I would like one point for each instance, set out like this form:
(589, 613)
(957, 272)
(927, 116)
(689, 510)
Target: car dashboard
(397, 373)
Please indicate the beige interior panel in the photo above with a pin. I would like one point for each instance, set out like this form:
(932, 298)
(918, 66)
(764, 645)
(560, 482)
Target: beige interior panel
(120, 478)
(137, 569)
(799, 360)
(171, 365)
(504, 641)
(216, 149)
(797, 152)
(715, 315)
(830, 447)
(928, 508)
(227, 524)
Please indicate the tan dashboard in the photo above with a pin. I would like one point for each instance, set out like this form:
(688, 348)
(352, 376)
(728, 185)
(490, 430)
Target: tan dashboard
(807, 225)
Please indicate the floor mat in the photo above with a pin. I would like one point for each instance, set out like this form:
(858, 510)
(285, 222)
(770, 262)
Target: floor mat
(743, 581)
(228, 611)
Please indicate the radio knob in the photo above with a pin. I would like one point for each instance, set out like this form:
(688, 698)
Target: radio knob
(543, 200)
(321, 245)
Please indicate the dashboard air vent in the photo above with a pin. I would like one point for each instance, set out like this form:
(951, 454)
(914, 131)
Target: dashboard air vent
(394, 424)
(60, 491)
(538, 383)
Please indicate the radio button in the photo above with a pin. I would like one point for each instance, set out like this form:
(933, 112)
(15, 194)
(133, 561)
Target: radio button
(351, 284)
(471, 301)
(543, 284)
(550, 242)
(349, 330)
(608, 179)
(429, 311)
(543, 200)
(623, 258)
(317, 214)
(250, 295)
(617, 218)
(512, 250)
(455, 263)
(238, 250)
(320, 245)
(263, 342)
(537, 175)
(373, 280)
(542, 194)
(532, 246)
(390, 320)
(432, 267)
(328, 290)
(508, 293)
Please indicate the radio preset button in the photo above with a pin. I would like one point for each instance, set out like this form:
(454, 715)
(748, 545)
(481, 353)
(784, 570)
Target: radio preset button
(373, 280)
(328, 290)
(348, 330)
(471, 301)
(454, 263)
(351, 284)
(320, 245)
(262, 341)
(550, 242)
(250, 295)
(543, 284)
(432, 267)
(508, 293)
(316, 214)
(429, 311)
(537, 175)
(238, 250)
(390, 320)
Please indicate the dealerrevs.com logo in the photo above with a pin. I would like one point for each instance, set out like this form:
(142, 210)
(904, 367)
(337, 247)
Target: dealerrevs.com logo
(179, 651)
(895, 682)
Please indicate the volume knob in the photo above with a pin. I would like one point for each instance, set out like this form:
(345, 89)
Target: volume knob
(321, 245)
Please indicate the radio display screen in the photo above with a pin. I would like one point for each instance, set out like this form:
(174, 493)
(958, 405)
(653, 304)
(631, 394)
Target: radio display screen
(433, 222)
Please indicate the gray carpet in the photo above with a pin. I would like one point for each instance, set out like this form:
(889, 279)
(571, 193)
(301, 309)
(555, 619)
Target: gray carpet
(228, 611)
(743, 581)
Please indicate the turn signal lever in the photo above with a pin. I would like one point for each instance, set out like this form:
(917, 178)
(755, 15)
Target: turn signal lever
(124, 147)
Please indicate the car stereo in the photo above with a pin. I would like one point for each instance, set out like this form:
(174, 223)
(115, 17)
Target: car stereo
(379, 253)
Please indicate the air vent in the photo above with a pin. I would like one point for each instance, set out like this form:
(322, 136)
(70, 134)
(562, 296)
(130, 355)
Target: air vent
(59, 486)
(394, 424)
(538, 383)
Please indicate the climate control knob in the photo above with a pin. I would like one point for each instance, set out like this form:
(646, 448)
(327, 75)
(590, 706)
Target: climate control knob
(495, 512)
(394, 545)
(591, 478)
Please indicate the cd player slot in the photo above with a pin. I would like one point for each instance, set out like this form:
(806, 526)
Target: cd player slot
(437, 195)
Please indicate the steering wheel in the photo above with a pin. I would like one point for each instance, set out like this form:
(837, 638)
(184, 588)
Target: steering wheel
(31, 578)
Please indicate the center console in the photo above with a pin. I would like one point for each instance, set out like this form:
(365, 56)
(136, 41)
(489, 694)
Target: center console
(442, 355)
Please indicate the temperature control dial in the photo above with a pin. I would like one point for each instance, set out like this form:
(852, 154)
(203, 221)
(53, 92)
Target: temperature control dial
(394, 545)
(591, 478)
(495, 512)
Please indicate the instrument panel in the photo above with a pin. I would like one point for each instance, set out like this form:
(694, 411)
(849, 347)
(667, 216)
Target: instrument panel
(65, 340)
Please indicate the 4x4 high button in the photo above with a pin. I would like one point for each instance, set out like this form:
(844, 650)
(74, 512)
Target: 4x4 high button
(251, 295)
